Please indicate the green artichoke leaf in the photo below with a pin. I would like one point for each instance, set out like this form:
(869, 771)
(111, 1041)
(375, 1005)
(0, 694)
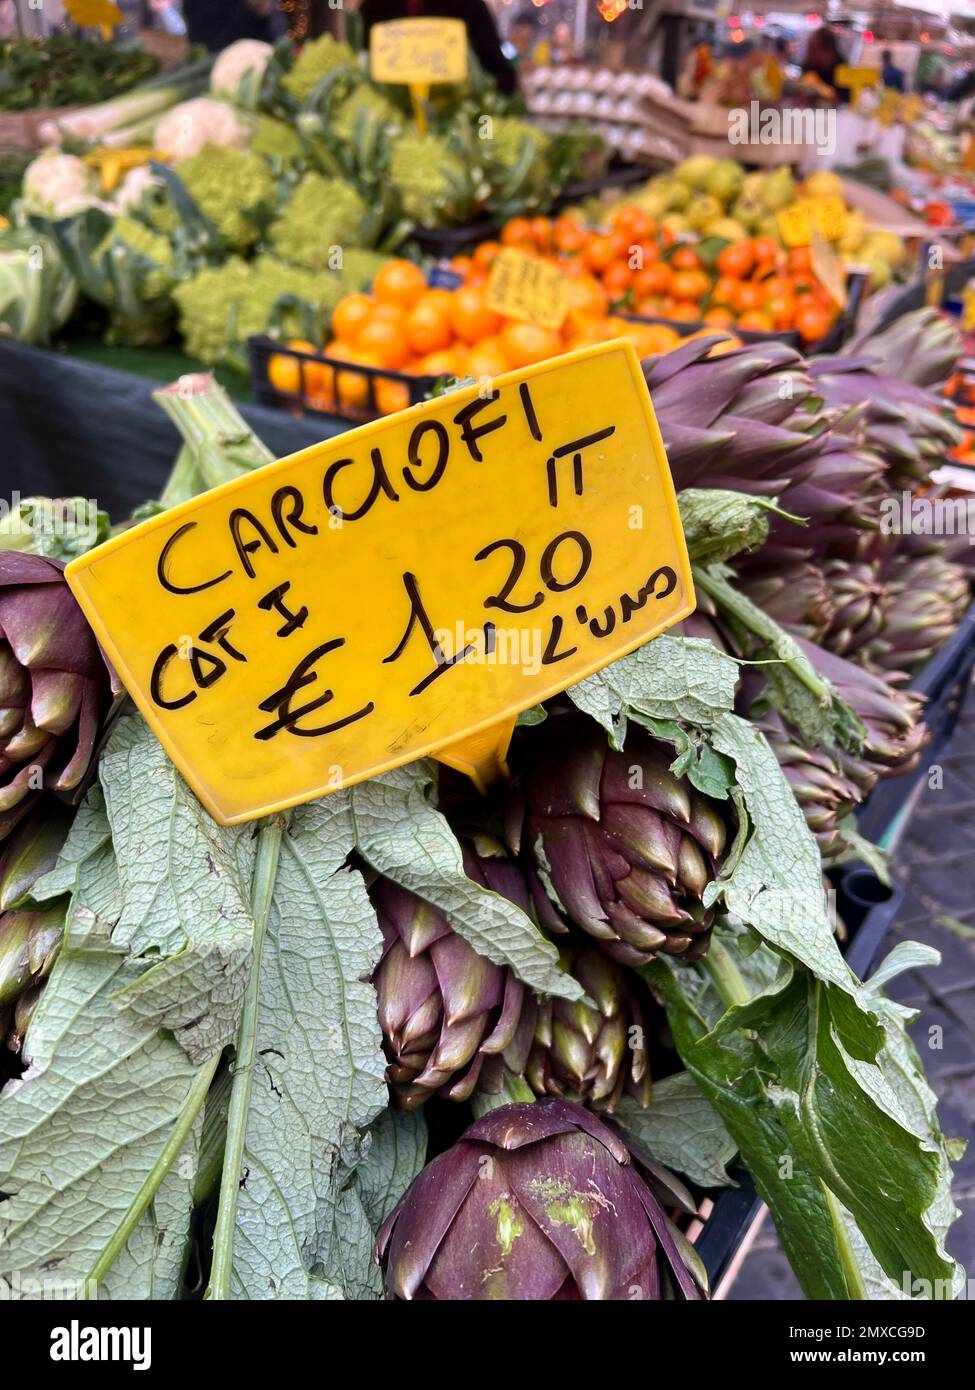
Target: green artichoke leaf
(683, 679)
(185, 891)
(402, 835)
(293, 1223)
(682, 1130)
(804, 697)
(396, 1151)
(719, 523)
(59, 528)
(828, 1108)
(102, 1091)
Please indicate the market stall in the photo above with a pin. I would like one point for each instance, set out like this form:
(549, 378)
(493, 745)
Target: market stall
(484, 574)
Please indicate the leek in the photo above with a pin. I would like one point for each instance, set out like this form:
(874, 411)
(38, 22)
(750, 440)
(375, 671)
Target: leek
(143, 103)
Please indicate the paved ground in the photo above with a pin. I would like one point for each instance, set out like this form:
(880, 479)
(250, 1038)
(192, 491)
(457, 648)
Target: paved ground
(936, 863)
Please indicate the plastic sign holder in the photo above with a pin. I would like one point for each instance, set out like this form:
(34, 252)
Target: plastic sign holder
(418, 53)
(402, 590)
(524, 287)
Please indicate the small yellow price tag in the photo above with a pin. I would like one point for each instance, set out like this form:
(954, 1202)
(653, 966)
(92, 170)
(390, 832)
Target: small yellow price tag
(399, 590)
(523, 287)
(95, 14)
(418, 51)
(828, 214)
(855, 79)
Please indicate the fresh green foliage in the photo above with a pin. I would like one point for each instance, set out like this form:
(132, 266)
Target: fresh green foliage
(321, 216)
(66, 69)
(804, 1066)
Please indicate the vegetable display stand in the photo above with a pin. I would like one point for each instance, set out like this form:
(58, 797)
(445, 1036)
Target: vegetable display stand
(118, 448)
(831, 342)
(444, 242)
(314, 383)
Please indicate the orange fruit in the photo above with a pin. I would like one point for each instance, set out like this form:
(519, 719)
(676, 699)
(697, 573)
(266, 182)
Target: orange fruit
(483, 255)
(799, 260)
(617, 278)
(290, 374)
(652, 279)
(781, 309)
(541, 230)
(603, 250)
(517, 231)
(460, 265)
(725, 291)
(685, 259)
(399, 282)
(691, 285)
(736, 260)
(719, 316)
(487, 358)
(812, 321)
(683, 310)
(750, 296)
(585, 295)
(766, 250)
(754, 321)
(469, 316)
(632, 221)
(568, 235)
(440, 363)
(383, 340)
(525, 343)
(439, 296)
(657, 337)
(349, 388)
(428, 328)
(349, 314)
(391, 396)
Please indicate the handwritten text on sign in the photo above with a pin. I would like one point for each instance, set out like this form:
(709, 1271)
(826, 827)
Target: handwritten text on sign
(524, 287)
(379, 596)
(418, 51)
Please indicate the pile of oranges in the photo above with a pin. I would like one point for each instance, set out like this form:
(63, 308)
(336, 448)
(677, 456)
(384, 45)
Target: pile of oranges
(634, 266)
(406, 326)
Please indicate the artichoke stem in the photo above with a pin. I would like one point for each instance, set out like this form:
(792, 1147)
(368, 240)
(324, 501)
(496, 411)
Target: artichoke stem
(195, 1097)
(725, 975)
(269, 840)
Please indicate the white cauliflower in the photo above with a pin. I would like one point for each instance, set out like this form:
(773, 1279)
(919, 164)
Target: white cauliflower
(238, 70)
(59, 185)
(184, 129)
(134, 187)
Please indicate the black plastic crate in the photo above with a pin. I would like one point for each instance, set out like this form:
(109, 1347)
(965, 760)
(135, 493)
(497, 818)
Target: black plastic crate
(326, 385)
(837, 335)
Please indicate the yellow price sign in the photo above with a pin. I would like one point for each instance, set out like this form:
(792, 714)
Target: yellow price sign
(418, 52)
(828, 214)
(400, 590)
(523, 287)
(855, 79)
(95, 14)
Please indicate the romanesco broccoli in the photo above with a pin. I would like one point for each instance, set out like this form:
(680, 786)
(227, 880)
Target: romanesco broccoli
(315, 61)
(505, 147)
(276, 140)
(321, 214)
(130, 241)
(228, 186)
(220, 307)
(430, 178)
(365, 99)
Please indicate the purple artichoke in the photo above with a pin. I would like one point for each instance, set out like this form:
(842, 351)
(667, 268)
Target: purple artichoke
(55, 685)
(591, 1053)
(624, 848)
(449, 1017)
(534, 1202)
(30, 936)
